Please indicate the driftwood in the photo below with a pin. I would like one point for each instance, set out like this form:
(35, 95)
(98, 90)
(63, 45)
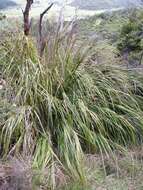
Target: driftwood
(26, 12)
(42, 39)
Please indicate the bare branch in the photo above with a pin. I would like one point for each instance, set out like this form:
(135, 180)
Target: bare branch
(42, 41)
(41, 18)
(26, 17)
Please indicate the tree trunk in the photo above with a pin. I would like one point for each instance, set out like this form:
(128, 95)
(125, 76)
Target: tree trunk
(27, 23)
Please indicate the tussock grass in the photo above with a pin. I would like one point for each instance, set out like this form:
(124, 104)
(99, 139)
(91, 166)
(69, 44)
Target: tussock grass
(59, 108)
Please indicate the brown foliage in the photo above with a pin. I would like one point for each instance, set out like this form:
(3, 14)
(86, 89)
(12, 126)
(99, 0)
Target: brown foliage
(15, 175)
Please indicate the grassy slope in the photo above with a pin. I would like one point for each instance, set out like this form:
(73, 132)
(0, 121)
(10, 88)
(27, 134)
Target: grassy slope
(105, 4)
(104, 31)
(109, 23)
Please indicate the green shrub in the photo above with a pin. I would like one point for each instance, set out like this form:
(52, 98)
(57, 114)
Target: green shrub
(130, 39)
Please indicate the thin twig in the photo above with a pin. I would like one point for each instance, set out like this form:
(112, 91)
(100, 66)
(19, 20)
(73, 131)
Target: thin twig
(41, 18)
(42, 41)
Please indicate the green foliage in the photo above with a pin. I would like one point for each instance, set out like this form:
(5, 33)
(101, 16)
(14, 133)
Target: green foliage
(104, 26)
(59, 108)
(130, 39)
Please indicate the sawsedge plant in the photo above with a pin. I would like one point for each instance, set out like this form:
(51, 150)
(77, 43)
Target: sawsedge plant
(58, 108)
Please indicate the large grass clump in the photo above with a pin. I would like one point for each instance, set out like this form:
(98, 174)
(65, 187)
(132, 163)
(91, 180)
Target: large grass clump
(56, 108)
